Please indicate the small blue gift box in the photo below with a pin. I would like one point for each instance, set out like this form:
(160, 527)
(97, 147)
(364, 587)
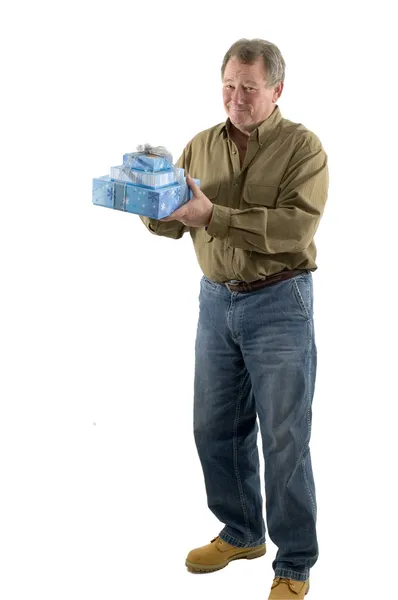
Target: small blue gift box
(155, 203)
(146, 162)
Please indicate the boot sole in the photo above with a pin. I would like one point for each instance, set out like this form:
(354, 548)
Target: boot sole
(196, 568)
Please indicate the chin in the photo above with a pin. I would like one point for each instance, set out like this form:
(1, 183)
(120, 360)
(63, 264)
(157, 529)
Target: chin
(237, 114)
(244, 114)
(241, 119)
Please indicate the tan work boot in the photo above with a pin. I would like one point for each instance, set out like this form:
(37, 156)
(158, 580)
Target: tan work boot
(218, 554)
(285, 589)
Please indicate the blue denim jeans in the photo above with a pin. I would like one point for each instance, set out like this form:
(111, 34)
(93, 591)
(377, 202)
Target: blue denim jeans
(255, 356)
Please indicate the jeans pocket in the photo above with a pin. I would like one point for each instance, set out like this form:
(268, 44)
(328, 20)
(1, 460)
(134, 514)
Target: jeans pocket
(302, 287)
(209, 284)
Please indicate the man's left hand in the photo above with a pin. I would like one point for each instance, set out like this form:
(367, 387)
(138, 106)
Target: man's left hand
(196, 212)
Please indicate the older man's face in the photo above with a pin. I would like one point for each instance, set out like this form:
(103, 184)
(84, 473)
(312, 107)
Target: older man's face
(246, 99)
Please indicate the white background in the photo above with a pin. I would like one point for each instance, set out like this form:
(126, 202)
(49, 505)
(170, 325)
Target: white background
(101, 489)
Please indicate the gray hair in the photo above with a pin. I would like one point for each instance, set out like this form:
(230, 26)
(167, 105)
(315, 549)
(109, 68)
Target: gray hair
(248, 51)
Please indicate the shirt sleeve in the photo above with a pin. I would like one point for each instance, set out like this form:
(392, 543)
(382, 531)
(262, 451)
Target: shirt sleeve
(291, 226)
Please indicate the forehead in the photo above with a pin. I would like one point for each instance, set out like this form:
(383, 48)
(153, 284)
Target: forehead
(236, 70)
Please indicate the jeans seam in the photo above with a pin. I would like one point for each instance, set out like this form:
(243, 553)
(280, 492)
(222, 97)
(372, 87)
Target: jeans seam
(310, 391)
(236, 468)
(308, 488)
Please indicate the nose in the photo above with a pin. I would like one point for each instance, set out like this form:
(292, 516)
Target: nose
(237, 96)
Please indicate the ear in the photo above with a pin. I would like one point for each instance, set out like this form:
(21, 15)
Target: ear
(278, 91)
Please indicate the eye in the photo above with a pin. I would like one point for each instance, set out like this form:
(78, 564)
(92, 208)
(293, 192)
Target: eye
(249, 89)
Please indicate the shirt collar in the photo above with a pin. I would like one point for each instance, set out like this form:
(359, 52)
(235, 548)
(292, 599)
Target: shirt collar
(262, 131)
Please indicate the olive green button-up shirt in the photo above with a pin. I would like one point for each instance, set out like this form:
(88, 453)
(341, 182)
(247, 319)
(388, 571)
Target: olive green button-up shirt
(266, 212)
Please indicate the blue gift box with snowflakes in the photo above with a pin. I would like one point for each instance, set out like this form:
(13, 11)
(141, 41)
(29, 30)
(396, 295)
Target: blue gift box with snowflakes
(155, 203)
(146, 184)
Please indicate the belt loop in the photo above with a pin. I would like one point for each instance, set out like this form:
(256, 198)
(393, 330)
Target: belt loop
(228, 283)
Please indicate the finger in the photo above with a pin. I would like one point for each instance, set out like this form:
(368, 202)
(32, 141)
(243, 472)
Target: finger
(173, 217)
(193, 185)
(169, 218)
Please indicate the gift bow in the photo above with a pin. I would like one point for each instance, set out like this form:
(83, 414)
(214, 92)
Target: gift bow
(157, 150)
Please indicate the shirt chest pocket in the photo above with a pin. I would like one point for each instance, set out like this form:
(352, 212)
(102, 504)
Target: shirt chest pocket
(261, 195)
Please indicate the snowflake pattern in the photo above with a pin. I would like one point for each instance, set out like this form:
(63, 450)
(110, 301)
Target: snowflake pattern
(153, 197)
(176, 197)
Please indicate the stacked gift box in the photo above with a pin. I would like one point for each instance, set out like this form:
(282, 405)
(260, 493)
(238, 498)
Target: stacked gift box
(145, 184)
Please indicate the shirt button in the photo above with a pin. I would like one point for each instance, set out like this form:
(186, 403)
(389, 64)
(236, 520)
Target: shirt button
(233, 151)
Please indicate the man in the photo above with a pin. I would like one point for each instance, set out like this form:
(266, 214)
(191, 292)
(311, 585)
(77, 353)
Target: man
(264, 185)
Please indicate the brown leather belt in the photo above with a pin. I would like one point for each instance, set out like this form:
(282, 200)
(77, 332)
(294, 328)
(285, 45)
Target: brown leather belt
(245, 287)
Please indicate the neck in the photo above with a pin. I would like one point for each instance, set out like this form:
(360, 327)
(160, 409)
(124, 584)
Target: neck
(240, 137)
